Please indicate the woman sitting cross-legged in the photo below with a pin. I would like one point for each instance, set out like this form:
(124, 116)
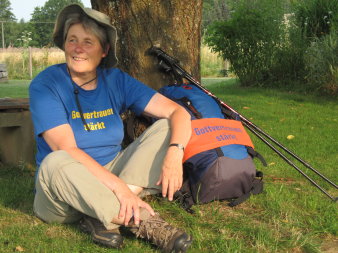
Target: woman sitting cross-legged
(84, 175)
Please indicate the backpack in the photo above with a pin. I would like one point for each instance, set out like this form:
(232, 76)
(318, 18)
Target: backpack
(217, 161)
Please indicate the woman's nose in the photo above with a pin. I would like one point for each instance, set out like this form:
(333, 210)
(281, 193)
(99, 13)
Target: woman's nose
(78, 48)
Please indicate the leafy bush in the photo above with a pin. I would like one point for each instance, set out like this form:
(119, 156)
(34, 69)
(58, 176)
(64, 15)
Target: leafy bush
(316, 18)
(318, 21)
(321, 63)
(268, 43)
(251, 39)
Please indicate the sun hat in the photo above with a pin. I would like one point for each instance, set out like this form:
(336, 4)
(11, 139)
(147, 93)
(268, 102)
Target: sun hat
(103, 20)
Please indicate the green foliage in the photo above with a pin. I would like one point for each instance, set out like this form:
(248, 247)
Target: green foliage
(316, 18)
(280, 43)
(43, 19)
(321, 63)
(5, 11)
(13, 31)
(8, 19)
(214, 10)
(249, 39)
(318, 22)
(41, 24)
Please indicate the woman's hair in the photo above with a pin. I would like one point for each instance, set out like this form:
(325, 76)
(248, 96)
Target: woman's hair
(89, 25)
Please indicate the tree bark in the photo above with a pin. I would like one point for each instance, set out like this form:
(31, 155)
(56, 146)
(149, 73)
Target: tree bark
(173, 25)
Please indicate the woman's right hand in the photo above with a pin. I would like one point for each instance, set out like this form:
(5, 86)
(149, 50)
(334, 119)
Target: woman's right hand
(130, 203)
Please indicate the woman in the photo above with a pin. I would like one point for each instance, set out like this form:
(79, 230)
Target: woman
(83, 173)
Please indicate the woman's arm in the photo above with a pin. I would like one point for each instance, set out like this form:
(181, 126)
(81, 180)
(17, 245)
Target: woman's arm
(62, 138)
(180, 121)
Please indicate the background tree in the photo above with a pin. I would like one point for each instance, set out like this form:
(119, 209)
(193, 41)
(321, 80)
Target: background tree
(8, 18)
(6, 11)
(42, 21)
(16, 29)
(174, 25)
(214, 10)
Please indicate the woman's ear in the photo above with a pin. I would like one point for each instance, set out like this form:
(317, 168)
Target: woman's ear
(105, 53)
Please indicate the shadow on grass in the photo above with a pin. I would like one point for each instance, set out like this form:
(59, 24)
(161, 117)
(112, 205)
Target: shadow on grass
(16, 187)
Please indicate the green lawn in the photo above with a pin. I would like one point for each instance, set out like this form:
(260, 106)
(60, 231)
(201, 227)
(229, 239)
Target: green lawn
(290, 215)
(14, 89)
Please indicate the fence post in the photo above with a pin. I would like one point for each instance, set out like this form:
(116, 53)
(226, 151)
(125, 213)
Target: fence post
(30, 63)
(3, 35)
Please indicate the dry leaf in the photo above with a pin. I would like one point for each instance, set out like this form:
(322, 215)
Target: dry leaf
(290, 137)
(246, 108)
(270, 164)
(19, 248)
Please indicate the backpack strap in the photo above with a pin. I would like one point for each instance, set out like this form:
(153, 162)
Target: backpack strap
(219, 152)
(254, 154)
(240, 199)
(184, 197)
(257, 187)
(188, 105)
(227, 113)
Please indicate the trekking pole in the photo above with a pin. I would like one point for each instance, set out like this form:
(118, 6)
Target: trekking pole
(289, 162)
(171, 64)
(190, 78)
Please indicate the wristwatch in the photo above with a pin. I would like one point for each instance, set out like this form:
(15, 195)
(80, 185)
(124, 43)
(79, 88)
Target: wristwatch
(179, 146)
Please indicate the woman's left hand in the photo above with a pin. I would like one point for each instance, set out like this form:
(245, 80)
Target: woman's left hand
(171, 177)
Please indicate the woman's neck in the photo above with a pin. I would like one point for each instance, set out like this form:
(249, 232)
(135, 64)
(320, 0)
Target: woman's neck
(87, 81)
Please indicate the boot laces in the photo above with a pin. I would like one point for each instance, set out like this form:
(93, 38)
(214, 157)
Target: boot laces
(157, 230)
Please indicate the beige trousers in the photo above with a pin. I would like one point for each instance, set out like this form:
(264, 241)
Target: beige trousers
(65, 189)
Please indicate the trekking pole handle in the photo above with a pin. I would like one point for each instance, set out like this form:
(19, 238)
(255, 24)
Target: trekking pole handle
(162, 55)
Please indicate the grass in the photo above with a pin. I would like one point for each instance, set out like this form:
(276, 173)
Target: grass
(14, 89)
(289, 216)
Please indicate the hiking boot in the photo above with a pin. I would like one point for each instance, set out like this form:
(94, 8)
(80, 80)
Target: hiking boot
(100, 235)
(163, 235)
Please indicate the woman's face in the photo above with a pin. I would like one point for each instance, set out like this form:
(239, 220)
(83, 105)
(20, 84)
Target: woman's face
(83, 50)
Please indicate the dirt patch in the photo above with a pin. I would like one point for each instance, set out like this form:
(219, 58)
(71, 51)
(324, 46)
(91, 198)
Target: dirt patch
(330, 246)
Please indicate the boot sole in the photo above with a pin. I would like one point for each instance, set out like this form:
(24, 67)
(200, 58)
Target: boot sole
(114, 243)
(181, 244)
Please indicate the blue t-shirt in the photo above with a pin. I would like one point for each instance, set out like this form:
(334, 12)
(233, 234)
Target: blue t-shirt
(53, 103)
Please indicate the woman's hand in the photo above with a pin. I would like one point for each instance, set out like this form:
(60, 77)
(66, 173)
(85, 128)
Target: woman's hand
(171, 177)
(130, 204)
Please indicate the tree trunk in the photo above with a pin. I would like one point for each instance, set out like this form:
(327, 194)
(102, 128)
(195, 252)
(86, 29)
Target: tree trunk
(173, 25)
